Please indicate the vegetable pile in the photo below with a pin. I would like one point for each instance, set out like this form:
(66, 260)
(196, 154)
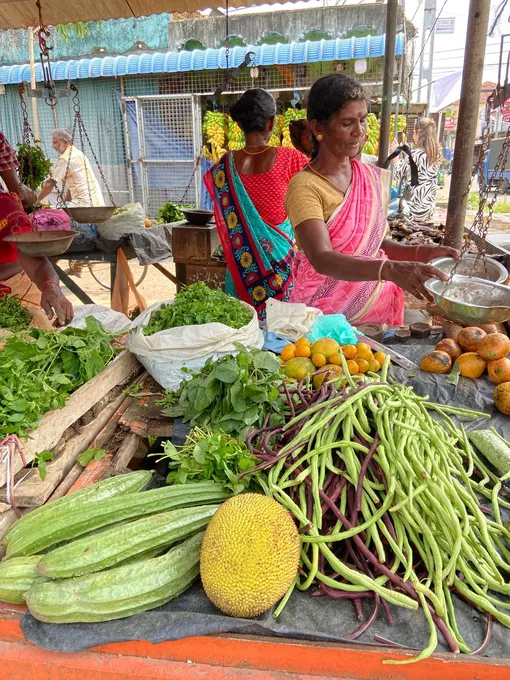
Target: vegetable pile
(198, 304)
(35, 167)
(231, 394)
(66, 575)
(387, 500)
(39, 370)
(13, 316)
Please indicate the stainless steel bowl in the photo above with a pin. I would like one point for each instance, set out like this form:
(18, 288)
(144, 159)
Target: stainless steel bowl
(471, 265)
(91, 215)
(470, 300)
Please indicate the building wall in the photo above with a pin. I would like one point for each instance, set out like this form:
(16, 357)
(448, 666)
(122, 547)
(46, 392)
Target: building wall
(294, 25)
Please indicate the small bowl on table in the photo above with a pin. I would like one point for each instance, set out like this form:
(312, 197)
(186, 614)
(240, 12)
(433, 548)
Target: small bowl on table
(198, 218)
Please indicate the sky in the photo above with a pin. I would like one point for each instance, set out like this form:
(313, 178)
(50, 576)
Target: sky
(448, 49)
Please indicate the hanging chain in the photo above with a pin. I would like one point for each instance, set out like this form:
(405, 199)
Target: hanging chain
(79, 125)
(198, 162)
(45, 49)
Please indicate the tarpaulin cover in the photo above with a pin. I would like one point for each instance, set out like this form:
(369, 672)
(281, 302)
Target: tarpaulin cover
(304, 617)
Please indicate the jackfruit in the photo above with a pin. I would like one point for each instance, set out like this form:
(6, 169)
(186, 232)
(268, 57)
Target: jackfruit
(250, 555)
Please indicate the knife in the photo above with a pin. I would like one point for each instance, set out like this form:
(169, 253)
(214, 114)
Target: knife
(396, 357)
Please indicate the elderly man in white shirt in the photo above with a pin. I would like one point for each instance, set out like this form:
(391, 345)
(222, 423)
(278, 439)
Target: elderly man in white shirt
(82, 188)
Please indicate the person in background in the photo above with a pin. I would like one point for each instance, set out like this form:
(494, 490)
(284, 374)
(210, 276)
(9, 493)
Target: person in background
(248, 190)
(346, 264)
(81, 185)
(427, 156)
(32, 279)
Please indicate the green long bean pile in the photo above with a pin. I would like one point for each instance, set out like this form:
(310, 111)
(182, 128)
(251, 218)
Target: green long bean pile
(388, 499)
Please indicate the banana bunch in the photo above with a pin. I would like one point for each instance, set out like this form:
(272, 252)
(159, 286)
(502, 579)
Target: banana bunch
(235, 135)
(290, 115)
(401, 126)
(213, 129)
(373, 128)
(276, 137)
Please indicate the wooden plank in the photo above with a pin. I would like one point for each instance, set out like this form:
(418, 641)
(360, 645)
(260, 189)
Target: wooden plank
(131, 445)
(53, 424)
(92, 473)
(34, 491)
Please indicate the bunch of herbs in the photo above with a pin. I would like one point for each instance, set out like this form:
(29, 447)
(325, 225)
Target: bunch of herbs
(40, 369)
(35, 167)
(212, 455)
(231, 394)
(13, 315)
(198, 304)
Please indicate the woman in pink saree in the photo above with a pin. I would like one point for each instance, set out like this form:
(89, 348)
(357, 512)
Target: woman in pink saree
(337, 206)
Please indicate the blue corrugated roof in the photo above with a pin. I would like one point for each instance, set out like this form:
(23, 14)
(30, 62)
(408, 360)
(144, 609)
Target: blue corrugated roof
(200, 60)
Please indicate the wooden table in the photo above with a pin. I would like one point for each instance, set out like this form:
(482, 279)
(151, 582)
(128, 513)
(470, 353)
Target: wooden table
(193, 248)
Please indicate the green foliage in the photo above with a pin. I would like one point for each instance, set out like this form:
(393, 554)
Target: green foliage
(38, 371)
(13, 315)
(34, 166)
(67, 32)
(170, 212)
(213, 456)
(198, 304)
(40, 460)
(501, 207)
(90, 456)
(231, 394)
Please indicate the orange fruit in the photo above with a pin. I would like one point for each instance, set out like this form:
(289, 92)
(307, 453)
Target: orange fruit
(326, 346)
(436, 362)
(319, 360)
(494, 346)
(303, 351)
(298, 368)
(288, 352)
(450, 347)
(499, 370)
(470, 338)
(502, 398)
(335, 359)
(363, 365)
(352, 367)
(363, 351)
(349, 351)
(380, 357)
(329, 372)
(374, 366)
(471, 365)
(303, 341)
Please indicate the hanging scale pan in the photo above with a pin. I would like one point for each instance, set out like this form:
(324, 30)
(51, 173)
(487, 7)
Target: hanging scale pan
(91, 215)
(42, 243)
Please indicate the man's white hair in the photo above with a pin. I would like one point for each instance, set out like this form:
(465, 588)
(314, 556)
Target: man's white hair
(64, 134)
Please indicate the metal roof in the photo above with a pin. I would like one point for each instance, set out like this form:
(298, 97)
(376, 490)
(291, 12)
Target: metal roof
(199, 60)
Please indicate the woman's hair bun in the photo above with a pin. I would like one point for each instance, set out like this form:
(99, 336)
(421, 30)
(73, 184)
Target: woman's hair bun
(253, 110)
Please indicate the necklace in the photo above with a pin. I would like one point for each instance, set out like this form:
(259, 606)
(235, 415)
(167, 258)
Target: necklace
(255, 153)
(326, 179)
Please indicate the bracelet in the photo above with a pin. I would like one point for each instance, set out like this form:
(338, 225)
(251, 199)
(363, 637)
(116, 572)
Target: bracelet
(55, 283)
(379, 275)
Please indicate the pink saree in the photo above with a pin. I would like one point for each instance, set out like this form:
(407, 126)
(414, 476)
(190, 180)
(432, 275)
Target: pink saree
(356, 228)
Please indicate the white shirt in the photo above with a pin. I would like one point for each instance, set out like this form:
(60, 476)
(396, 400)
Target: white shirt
(81, 180)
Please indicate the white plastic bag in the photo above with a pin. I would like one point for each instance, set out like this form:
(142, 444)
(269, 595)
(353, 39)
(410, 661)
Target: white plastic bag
(290, 320)
(126, 220)
(166, 353)
(113, 322)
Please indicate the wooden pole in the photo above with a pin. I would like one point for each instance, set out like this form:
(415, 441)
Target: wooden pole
(469, 108)
(35, 113)
(389, 76)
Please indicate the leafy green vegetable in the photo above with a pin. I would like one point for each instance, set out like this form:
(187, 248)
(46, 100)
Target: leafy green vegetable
(34, 166)
(40, 369)
(231, 394)
(210, 455)
(170, 212)
(199, 304)
(13, 315)
(90, 456)
(40, 460)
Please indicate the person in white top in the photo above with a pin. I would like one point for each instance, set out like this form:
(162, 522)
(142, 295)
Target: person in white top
(82, 187)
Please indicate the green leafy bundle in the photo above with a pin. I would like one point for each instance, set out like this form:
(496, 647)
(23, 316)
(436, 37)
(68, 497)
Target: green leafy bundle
(170, 212)
(13, 315)
(34, 166)
(231, 394)
(210, 455)
(198, 304)
(40, 370)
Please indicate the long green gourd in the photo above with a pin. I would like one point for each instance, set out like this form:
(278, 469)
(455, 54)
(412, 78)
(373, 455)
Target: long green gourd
(112, 546)
(107, 488)
(17, 576)
(93, 516)
(493, 447)
(118, 592)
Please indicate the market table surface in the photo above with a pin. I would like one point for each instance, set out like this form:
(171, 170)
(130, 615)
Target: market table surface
(227, 658)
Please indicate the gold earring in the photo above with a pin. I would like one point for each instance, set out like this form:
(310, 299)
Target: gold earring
(320, 138)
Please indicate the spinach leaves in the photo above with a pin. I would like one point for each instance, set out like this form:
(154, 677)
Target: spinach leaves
(40, 369)
(13, 315)
(198, 304)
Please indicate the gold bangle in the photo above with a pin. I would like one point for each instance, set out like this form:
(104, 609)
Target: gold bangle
(379, 276)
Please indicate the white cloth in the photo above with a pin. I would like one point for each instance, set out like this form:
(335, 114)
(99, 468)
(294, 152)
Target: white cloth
(81, 180)
(290, 320)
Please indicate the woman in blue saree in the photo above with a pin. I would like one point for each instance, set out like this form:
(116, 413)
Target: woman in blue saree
(248, 189)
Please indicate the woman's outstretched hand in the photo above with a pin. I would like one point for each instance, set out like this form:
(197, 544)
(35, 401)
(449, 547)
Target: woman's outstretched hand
(426, 253)
(411, 276)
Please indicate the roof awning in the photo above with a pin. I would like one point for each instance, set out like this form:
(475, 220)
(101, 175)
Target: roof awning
(210, 59)
(23, 13)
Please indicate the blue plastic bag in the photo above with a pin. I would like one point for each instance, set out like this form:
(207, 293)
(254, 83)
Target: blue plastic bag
(333, 326)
